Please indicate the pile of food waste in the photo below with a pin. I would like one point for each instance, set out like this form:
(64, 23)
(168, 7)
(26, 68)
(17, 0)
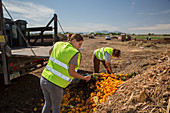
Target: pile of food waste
(85, 97)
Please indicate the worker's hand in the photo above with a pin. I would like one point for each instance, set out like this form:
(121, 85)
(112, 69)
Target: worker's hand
(87, 78)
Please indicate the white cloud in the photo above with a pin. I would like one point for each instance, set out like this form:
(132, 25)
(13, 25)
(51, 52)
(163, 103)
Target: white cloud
(34, 14)
(161, 12)
(157, 27)
(90, 27)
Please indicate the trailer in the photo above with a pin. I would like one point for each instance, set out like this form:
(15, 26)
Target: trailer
(22, 61)
(18, 55)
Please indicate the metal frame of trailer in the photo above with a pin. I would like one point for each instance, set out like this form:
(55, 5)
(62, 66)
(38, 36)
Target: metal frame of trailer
(21, 61)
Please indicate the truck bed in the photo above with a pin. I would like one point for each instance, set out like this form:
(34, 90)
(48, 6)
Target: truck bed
(24, 61)
(42, 51)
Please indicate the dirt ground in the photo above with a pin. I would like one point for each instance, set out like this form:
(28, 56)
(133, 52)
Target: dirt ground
(148, 91)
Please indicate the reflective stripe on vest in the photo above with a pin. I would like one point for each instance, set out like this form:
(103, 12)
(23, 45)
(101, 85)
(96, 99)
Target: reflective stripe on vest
(102, 53)
(60, 63)
(99, 54)
(58, 74)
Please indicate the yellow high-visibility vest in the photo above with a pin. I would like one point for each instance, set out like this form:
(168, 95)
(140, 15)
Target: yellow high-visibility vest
(57, 69)
(100, 53)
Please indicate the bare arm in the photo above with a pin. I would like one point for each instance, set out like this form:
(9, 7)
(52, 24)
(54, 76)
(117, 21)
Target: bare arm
(108, 66)
(50, 51)
(73, 73)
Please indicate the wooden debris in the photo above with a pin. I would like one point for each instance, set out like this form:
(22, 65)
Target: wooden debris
(142, 97)
(168, 107)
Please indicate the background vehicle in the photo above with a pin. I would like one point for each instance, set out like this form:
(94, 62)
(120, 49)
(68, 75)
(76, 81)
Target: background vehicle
(91, 36)
(108, 37)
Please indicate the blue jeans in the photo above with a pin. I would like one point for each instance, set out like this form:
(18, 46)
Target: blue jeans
(53, 95)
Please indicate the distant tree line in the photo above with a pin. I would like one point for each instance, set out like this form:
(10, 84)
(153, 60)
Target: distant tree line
(109, 33)
(99, 33)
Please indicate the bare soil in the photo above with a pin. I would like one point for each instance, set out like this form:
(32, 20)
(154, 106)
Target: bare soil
(148, 91)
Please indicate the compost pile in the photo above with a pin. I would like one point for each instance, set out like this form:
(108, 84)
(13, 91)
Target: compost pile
(147, 93)
(144, 44)
(90, 94)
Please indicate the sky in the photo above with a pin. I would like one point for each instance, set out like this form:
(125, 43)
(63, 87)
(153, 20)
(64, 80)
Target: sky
(127, 16)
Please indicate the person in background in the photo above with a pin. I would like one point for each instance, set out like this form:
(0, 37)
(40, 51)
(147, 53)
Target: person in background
(126, 38)
(61, 69)
(147, 38)
(104, 55)
(135, 38)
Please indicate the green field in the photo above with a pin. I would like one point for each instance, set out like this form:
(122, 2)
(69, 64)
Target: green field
(152, 37)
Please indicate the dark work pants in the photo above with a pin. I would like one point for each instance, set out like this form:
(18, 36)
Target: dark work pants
(96, 64)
